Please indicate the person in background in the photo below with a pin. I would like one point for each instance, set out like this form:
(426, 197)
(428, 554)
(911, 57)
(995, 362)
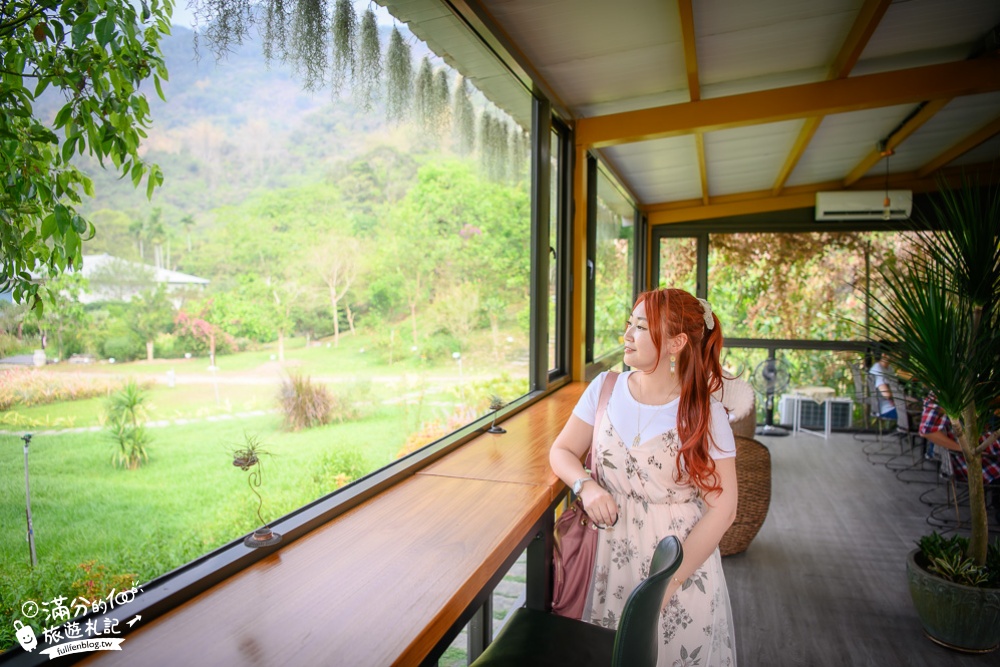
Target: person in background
(936, 428)
(881, 372)
(665, 458)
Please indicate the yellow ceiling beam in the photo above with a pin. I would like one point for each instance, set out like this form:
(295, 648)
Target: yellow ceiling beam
(799, 196)
(801, 143)
(690, 48)
(912, 124)
(867, 21)
(948, 80)
(699, 142)
(727, 209)
(984, 133)
(864, 26)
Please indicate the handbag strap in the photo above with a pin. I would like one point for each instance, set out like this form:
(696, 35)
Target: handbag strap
(602, 405)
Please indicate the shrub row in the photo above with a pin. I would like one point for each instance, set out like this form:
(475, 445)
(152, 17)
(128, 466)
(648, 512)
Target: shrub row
(29, 387)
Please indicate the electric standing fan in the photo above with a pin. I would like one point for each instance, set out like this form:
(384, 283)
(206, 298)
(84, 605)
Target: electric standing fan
(770, 377)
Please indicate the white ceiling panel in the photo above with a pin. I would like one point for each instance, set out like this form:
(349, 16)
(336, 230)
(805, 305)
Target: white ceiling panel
(960, 118)
(745, 40)
(987, 152)
(747, 159)
(659, 170)
(843, 140)
(933, 26)
(595, 51)
(600, 58)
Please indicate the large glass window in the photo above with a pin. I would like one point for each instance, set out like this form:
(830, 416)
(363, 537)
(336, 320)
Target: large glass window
(795, 285)
(324, 284)
(614, 264)
(678, 263)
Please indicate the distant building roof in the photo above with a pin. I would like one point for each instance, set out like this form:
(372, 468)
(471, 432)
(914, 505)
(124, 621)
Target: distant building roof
(94, 263)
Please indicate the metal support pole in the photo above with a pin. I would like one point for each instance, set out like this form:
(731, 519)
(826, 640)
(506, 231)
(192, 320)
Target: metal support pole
(538, 589)
(27, 501)
(480, 630)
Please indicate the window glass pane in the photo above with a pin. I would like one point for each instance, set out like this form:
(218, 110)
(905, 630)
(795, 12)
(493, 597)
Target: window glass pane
(313, 279)
(555, 212)
(805, 368)
(614, 262)
(797, 286)
(679, 263)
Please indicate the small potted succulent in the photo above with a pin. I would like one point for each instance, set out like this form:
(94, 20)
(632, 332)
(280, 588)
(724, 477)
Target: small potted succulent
(495, 404)
(248, 459)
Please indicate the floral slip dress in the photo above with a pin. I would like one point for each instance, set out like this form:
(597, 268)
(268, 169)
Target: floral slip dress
(697, 627)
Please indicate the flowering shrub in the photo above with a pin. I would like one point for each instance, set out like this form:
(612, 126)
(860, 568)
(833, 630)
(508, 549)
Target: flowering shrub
(435, 430)
(28, 387)
(97, 582)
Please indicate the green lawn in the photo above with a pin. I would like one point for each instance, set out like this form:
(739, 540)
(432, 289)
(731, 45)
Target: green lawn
(189, 498)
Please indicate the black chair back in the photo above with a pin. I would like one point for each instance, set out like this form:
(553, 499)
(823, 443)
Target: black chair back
(637, 638)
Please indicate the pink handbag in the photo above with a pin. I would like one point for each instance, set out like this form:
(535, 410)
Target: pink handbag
(575, 538)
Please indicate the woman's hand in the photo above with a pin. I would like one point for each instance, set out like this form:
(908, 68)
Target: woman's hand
(599, 504)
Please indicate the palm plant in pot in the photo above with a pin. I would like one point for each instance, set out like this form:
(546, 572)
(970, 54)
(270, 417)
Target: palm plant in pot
(941, 307)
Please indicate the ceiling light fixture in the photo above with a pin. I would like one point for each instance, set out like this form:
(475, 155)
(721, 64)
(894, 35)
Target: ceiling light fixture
(885, 152)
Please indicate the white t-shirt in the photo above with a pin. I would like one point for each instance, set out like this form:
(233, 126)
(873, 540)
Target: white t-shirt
(622, 408)
(882, 375)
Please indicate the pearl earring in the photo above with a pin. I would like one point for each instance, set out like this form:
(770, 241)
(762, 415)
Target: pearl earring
(673, 364)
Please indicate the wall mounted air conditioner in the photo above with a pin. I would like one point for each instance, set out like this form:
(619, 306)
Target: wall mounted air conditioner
(863, 205)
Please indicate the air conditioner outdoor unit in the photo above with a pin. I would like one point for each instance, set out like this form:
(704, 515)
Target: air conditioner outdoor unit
(812, 415)
(863, 205)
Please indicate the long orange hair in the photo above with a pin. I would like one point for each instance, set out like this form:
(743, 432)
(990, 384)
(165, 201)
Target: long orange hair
(671, 312)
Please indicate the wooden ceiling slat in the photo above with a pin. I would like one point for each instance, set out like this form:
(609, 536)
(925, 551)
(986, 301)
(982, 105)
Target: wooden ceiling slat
(864, 26)
(699, 140)
(690, 48)
(801, 143)
(812, 99)
(861, 31)
(911, 125)
(984, 133)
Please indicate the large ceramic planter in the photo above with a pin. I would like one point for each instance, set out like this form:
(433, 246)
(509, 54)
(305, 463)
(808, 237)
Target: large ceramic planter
(959, 617)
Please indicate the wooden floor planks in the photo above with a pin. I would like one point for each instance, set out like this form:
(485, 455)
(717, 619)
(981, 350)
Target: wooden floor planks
(824, 582)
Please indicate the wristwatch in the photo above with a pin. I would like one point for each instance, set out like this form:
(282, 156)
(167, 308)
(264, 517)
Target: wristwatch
(578, 485)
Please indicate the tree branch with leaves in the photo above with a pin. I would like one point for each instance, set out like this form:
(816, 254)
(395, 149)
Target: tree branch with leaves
(96, 55)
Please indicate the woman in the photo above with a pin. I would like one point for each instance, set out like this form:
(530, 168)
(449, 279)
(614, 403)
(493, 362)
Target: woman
(664, 455)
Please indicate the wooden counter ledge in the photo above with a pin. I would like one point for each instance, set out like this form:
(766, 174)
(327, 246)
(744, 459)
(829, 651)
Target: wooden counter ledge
(383, 583)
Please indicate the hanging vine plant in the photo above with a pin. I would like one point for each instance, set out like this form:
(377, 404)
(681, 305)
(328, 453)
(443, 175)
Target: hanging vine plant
(227, 23)
(399, 79)
(519, 150)
(493, 151)
(424, 97)
(464, 118)
(368, 74)
(345, 32)
(275, 33)
(440, 107)
(309, 42)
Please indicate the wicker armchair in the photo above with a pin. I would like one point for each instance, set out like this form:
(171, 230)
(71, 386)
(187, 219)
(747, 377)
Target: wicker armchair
(753, 477)
(741, 403)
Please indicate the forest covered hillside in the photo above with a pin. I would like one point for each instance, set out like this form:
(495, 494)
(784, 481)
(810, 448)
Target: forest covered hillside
(232, 127)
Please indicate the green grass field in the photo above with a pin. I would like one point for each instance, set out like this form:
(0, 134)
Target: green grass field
(189, 498)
